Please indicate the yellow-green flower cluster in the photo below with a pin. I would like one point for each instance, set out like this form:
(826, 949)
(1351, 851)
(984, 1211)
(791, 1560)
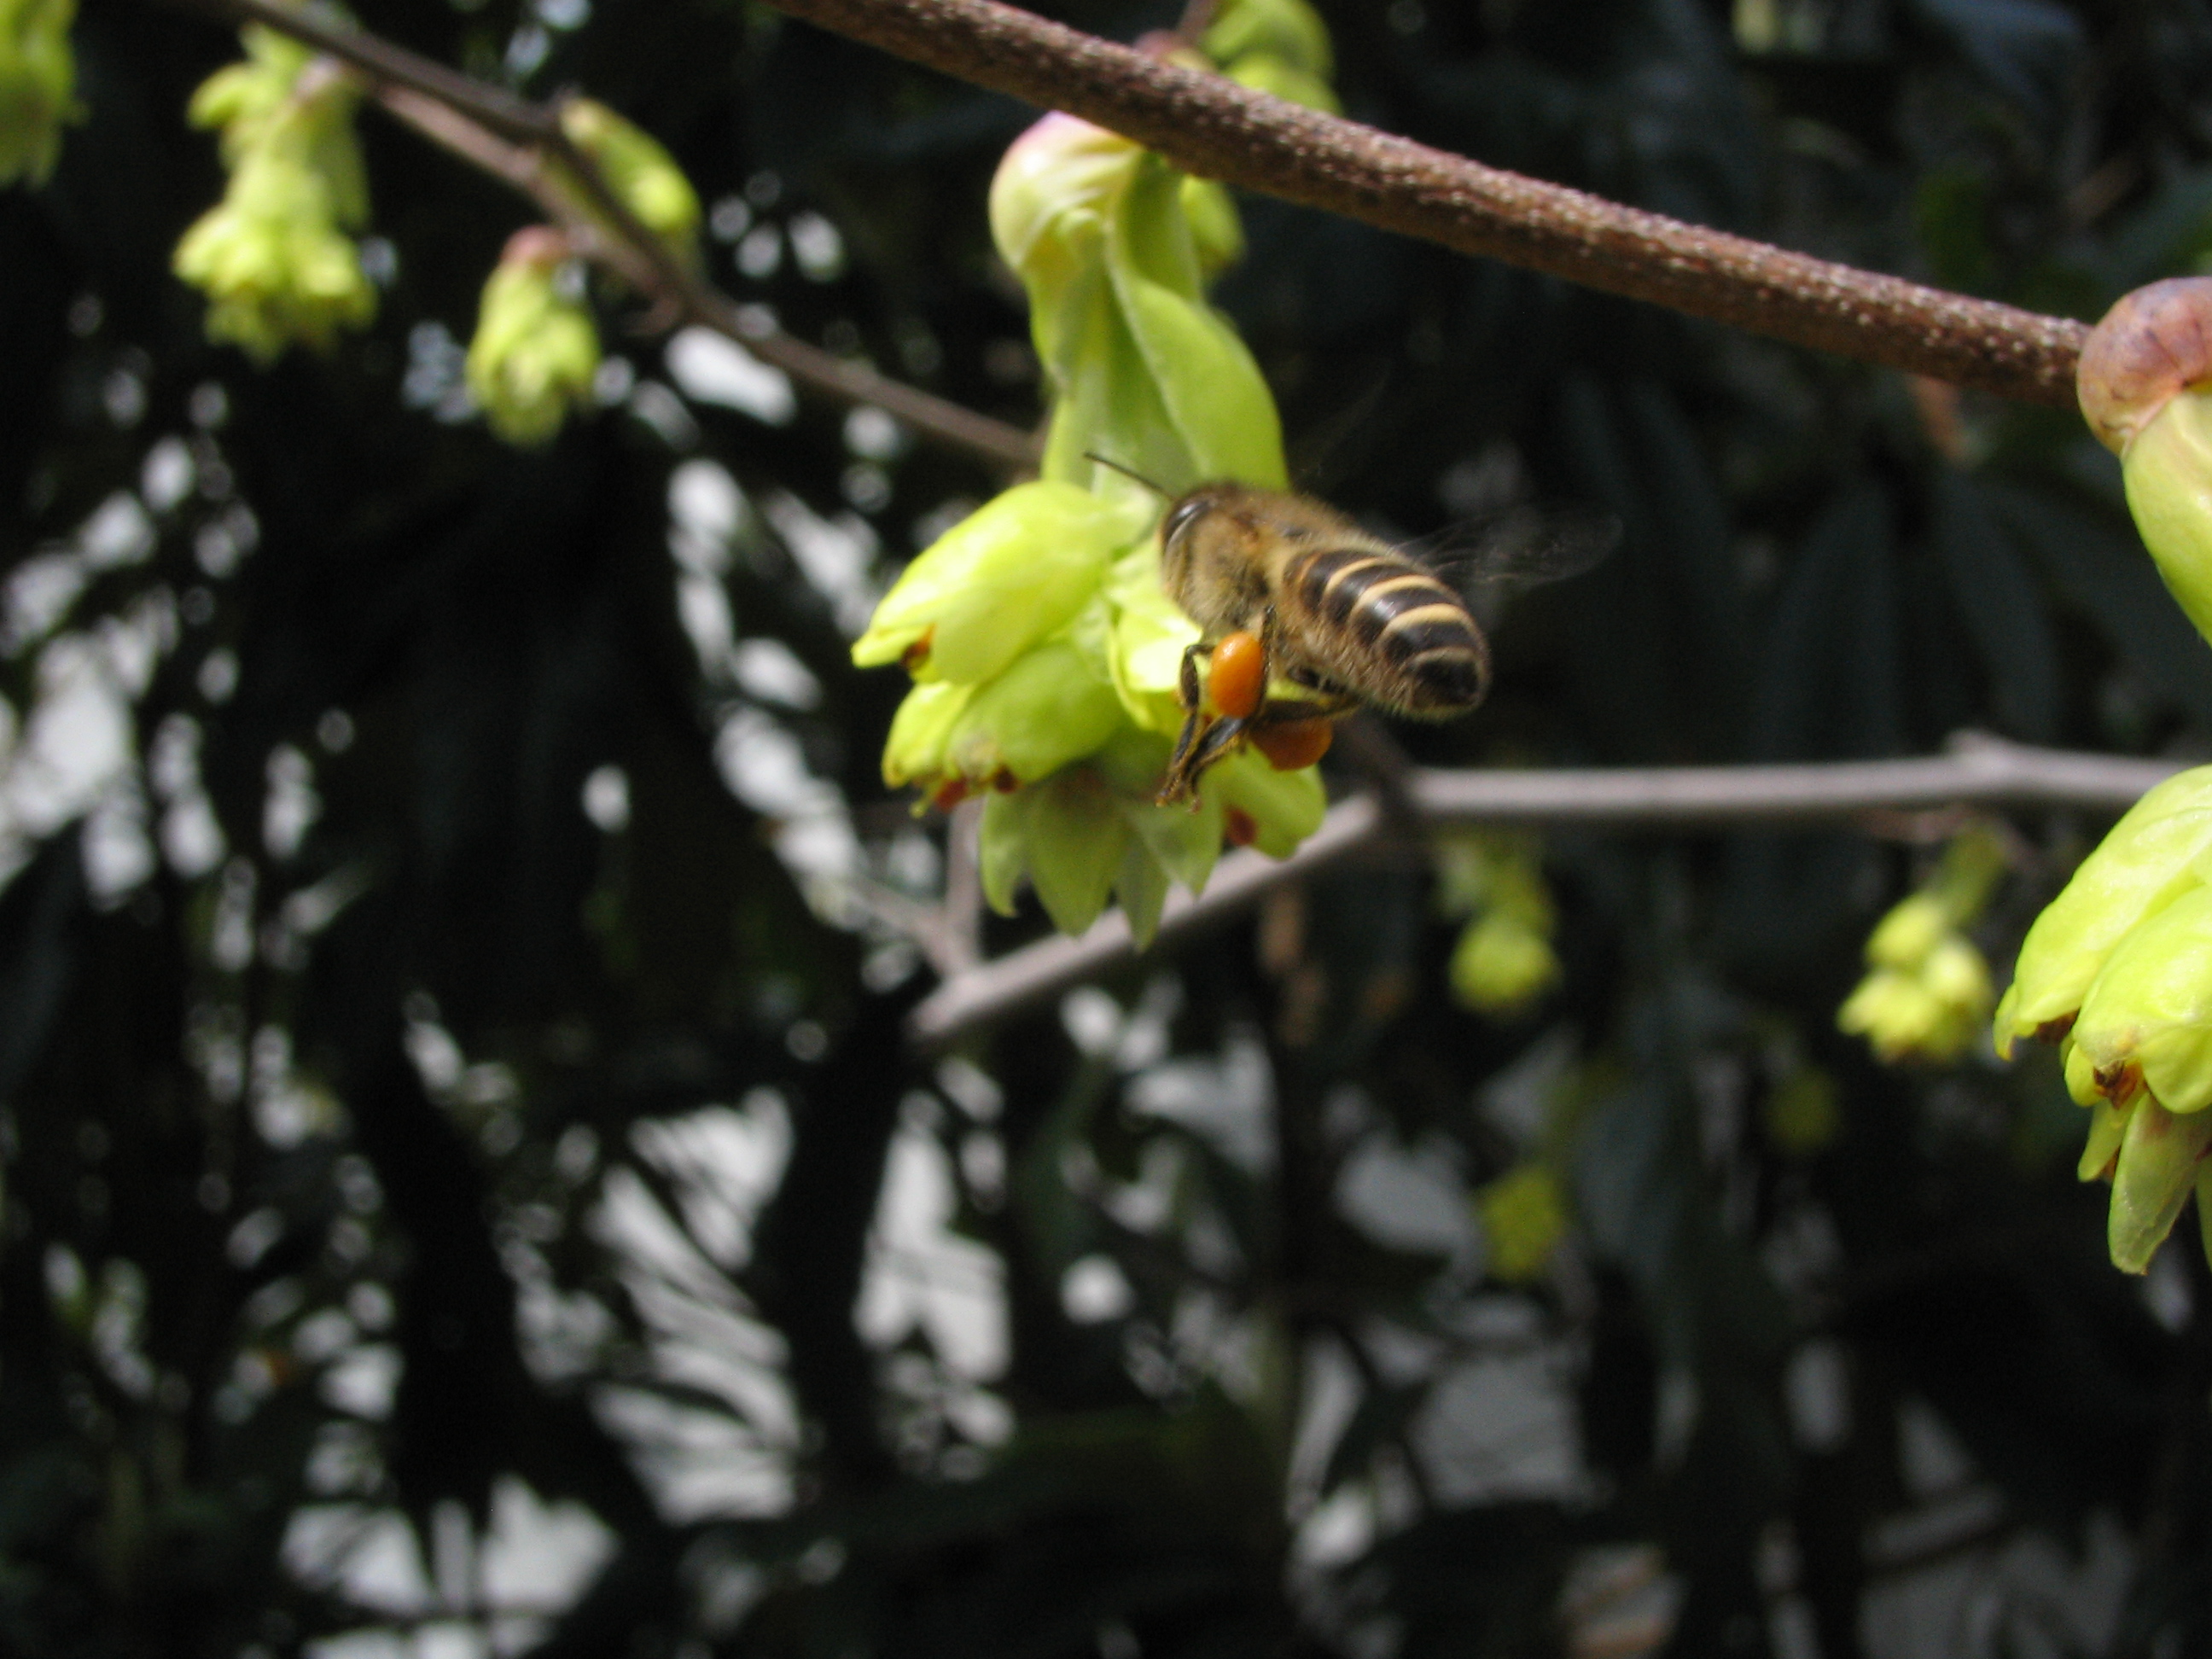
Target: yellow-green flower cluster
(642, 175)
(2118, 971)
(536, 349)
(1504, 961)
(273, 256)
(1927, 989)
(1046, 654)
(38, 76)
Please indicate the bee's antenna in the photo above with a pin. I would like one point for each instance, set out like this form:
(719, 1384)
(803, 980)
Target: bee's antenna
(1127, 472)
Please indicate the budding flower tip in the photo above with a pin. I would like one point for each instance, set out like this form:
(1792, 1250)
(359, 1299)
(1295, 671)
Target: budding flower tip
(2153, 345)
(541, 245)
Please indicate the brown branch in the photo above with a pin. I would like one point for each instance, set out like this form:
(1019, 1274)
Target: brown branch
(1978, 771)
(1215, 128)
(522, 144)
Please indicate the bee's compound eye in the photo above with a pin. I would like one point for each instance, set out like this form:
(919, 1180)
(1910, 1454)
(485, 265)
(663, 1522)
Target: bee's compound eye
(1182, 516)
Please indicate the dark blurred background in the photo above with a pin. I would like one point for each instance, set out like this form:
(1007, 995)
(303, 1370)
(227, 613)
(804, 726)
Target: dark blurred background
(465, 1187)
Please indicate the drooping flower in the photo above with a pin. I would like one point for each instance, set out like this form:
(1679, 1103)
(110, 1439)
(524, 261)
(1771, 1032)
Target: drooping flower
(2116, 969)
(2154, 855)
(273, 256)
(1504, 961)
(1015, 570)
(1927, 989)
(1046, 654)
(38, 82)
(536, 349)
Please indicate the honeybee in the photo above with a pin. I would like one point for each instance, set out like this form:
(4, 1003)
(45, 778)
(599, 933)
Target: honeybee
(1283, 587)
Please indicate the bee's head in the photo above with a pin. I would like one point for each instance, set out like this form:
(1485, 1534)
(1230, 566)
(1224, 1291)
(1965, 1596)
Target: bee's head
(1185, 532)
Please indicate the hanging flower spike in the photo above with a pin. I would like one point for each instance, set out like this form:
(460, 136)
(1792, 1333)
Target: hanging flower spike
(2118, 968)
(38, 81)
(272, 256)
(1504, 962)
(535, 350)
(1927, 988)
(1045, 653)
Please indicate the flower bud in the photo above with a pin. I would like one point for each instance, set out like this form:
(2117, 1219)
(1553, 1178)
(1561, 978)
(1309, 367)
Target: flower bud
(240, 99)
(1957, 977)
(1897, 1015)
(1289, 31)
(2155, 853)
(1014, 571)
(2156, 1173)
(1067, 835)
(2108, 1126)
(535, 350)
(917, 749)
(2145, 386)
(1050, 196)
(1902, 939)
(1052, 706)
(2149, 1015)
(642, 175)
(1524, 1216)
(1143, 370)
(38, 79)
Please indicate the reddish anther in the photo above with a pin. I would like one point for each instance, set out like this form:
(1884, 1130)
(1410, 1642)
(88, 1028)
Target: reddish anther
(1238, 828)
(1294, 744)
(1238, 678)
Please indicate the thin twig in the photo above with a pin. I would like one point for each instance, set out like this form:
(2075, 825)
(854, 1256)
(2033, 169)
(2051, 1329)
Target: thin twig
(522, 144)
(1215, 128)
(1978, 771)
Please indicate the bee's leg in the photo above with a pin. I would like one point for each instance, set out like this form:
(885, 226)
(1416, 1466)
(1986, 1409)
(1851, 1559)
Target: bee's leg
(1186, 679)
(1331, 704)
(1214, 744)
(1180, 777)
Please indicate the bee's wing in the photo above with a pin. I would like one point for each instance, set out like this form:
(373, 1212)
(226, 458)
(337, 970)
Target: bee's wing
(1520, 546)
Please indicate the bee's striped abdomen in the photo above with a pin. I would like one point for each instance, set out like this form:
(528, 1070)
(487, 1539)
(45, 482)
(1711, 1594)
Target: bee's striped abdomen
(1410, 633)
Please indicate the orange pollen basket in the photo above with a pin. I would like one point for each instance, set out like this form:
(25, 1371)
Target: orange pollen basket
(1238, 676)
(1296, 743)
